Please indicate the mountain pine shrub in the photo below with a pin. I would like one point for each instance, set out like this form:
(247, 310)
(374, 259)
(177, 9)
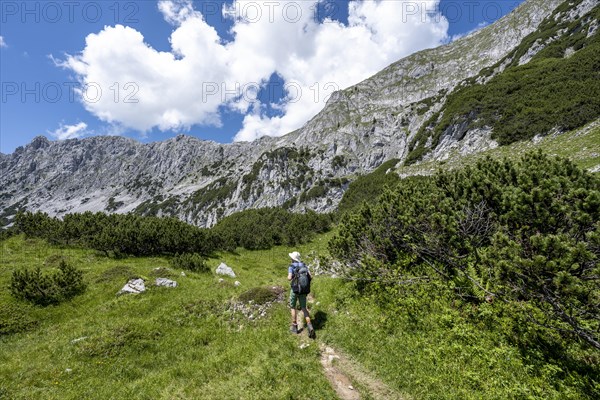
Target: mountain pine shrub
(47, 288)
(190, 262)
(525, 231)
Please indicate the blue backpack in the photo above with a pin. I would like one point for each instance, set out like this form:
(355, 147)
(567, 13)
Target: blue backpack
(300, 278)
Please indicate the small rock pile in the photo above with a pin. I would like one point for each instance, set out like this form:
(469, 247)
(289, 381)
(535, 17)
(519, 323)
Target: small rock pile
(257, 309)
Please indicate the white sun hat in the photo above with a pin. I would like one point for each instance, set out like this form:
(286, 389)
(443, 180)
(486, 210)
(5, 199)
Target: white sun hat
(295, 256)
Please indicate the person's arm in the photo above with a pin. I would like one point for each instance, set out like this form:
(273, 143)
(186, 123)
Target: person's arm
(289, 274)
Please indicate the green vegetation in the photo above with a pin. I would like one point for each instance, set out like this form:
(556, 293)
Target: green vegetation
(339, 162)
(419, 339)
(120, 235)
(47, 288)
(8, 212)
(551, 91)
(423, 342)
(113, 205)
(260, 295)
(579, 145)
(212, 195)
(185, 342)
(189, 262)
(368, 188)
(286, 154)
(319, 190)
(144, 183)
(267, 227)
(153, 207)
(15, 318)
(293, 163)
(117, 273)
(523, 234)
(446, 299)
(425, 105)
(479, 282)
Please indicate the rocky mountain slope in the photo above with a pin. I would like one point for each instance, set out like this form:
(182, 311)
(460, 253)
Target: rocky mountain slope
(359, 128)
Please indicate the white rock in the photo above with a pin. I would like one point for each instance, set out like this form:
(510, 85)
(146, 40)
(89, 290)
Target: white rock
(182, 273)
(223, 269)
(221, 280)
(237, 283)
(134, 286)
(165, 282)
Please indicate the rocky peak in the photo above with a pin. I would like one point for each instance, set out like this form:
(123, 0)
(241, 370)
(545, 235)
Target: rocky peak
(200, 181)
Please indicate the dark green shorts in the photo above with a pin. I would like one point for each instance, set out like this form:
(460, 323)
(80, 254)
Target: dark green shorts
(300, 298)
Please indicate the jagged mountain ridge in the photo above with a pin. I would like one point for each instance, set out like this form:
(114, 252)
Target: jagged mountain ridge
(200, 181)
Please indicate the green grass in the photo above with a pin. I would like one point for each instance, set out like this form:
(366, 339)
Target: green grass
(184, 343)
(422, 345)
(162, 344)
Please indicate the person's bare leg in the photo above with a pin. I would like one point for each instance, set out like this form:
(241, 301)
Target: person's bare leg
(294, 316)
(311, 331)
(294, 327)
(306, 315)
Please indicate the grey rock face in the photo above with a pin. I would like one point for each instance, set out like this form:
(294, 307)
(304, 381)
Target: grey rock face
(201, 181)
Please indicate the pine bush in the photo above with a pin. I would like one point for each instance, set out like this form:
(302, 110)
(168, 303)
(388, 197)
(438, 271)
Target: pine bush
(190, 262)
(47, 288)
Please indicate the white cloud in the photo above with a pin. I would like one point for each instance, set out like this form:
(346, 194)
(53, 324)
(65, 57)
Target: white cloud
(69, 131)
(189, 84)
(176, 11)
(2, 42)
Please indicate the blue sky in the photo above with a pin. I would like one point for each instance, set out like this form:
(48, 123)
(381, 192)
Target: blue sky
(156, 90)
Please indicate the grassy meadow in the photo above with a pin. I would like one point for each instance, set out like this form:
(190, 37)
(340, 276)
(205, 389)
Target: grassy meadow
(178, 343)
(185, 343)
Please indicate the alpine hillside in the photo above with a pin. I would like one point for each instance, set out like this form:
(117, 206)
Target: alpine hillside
(532, 73)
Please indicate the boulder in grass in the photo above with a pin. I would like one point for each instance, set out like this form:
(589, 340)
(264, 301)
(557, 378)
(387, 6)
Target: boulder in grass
(165, 282)
(223, 269)
(134, 286)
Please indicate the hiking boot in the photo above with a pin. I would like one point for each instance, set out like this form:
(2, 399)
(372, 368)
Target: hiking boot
(311, 331)
(294, 329)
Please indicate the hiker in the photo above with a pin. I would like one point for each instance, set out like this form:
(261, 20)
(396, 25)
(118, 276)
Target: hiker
(299, 277)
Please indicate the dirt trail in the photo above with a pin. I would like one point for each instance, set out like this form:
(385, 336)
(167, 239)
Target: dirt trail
(340, 382)
(343, 374)
(349, 380)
